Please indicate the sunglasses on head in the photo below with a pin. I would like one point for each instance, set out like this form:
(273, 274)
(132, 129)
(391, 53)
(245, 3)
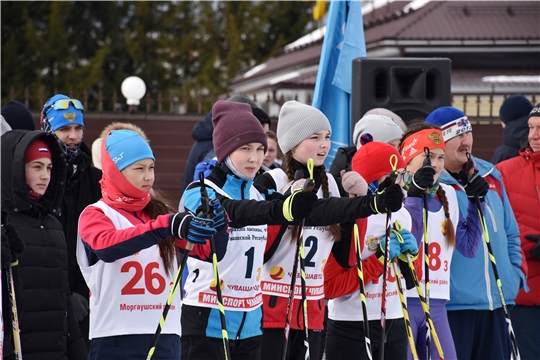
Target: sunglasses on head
(63, 104)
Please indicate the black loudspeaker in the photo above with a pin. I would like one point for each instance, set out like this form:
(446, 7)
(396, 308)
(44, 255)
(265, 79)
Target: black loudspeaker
(410, 87)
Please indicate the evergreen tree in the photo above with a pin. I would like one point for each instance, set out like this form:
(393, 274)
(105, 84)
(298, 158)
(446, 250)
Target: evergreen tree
(183, 47)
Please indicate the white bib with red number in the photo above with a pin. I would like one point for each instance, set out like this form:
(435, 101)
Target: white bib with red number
(127, 296)
(440, 253)
(318, 241)
(348, 307)
(239, 270)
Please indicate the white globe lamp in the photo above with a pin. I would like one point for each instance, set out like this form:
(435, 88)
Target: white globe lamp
(133, 89)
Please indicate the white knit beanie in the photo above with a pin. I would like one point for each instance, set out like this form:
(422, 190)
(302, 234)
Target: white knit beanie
(297, 122)
(380, 127)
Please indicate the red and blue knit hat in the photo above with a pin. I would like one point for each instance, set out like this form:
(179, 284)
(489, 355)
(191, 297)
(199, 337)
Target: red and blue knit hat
(37, 150)
(453, 122)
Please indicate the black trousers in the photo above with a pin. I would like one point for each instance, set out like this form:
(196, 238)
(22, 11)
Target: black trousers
(205, 348)
(274, 341)
(345, 340)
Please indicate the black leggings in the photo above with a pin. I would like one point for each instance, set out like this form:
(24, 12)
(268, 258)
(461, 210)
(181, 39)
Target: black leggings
(204, 348)
(274, 341)
(345, 340)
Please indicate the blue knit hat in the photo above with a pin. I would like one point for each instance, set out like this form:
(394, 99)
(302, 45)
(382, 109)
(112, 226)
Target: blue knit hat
(126, 147)
(453, 122)
(61, 117)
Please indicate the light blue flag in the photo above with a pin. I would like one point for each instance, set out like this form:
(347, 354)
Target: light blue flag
(343, 42)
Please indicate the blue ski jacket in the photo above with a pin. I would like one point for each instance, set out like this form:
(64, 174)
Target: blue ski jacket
(472, 282)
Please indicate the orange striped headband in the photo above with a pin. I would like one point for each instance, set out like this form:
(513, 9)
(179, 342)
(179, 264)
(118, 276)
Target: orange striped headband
(414, 145)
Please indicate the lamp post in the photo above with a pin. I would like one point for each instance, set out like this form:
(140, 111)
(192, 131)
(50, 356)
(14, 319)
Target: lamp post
(133, 89)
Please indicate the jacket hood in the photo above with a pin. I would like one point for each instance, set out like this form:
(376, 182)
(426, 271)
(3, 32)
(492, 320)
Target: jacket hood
(515, 131)
(204, 129)
(14, 188)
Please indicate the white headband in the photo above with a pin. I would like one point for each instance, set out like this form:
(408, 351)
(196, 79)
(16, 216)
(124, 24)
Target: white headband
(455, 128)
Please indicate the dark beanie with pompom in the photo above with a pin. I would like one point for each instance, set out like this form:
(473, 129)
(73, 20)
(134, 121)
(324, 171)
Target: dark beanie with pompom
(234, 126)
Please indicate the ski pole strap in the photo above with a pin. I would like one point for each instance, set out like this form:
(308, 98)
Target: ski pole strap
(393, 164)
(396, 229)
(310, 167)
(287, 205)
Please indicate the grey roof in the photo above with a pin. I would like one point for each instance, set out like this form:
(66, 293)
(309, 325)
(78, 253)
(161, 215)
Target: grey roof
(452, 29)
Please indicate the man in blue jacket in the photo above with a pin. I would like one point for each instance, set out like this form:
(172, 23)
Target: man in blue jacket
(475, 311)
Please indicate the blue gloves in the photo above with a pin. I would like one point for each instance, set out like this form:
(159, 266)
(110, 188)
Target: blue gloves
(401, 241)
(197, 229)
(218, 214)
(406, 240)
(204, 167)
(395, 248)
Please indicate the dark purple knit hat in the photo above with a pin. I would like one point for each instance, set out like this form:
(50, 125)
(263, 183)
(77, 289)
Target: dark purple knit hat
(234, 126)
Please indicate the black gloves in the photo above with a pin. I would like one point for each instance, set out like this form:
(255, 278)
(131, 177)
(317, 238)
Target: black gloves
(299, 205)
(80, 306)
(475, 186)
(535, 251)
(389, 197)
(12, 245)
(423, 179)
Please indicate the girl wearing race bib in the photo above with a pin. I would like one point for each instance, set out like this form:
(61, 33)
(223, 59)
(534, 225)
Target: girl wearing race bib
(126, 252)
(345, 337)
(447, 229)
(240, 144)
(304, 133)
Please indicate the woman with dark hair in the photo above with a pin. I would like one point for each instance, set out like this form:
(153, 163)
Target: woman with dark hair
(33, 174)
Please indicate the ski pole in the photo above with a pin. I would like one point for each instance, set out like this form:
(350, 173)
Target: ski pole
(398, 227)
(429, 321)
(427, 162)
(224, 334)
(367, 339)
(408, 327)
(290, 300)
(13, 302)
(310, 166)
(308, 186)
(177, 281)
(393, 175)
(14, 314)
(515, 350)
